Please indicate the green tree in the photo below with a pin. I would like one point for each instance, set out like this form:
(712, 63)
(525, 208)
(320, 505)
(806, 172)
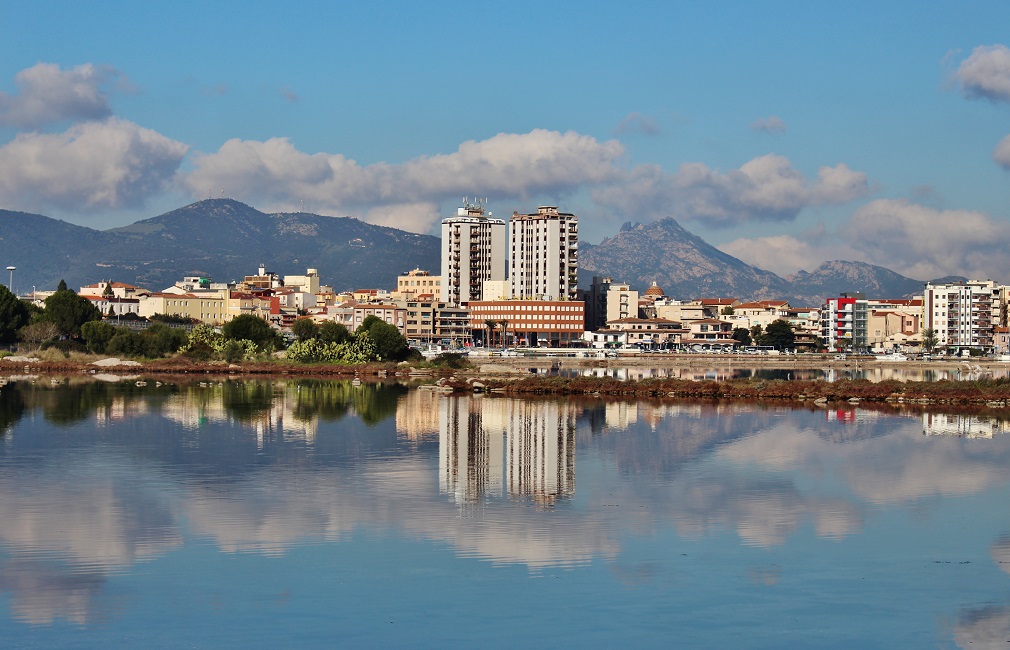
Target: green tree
(97, 334)
(13, 316)
(929, 339)
(779, 334)
(390, 345)
(62, 286)
(305, 329)
(727, 311)
(68, 311)
(742, 335)
(333, 332)
(252, 328)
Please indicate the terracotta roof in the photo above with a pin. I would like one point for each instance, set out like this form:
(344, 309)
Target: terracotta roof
(654, 290)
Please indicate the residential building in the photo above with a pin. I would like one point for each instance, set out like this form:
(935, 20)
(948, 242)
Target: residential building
(117, 289)
(210, 310)
(760, 313)
(844, 322)
(452, 325)
(889, 329)
(262, 280)
(308, 283)
(962, 314)
(114, 306)
(392, 314)
(1001, 340)
(473, 251)
(417, 282)
(603, 306)
(552, 323)
(543, 255)
(708, 332)
(650, 333)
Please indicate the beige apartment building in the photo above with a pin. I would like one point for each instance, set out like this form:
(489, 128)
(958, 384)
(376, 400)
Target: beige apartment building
(543, 255)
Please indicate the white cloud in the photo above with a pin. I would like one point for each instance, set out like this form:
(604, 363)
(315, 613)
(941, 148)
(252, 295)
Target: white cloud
(766, 188)
(784, 254)
(46, 94)
(506, 166)
(926, 243)
(91, 166)
(912, 239)
(1001, 154)
(770, 124)
(986, 73)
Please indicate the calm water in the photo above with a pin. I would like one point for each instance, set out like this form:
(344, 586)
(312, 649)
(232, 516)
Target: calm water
(740, 370)
(301, 513)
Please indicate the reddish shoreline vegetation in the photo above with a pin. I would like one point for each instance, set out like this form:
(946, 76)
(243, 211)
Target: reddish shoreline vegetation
(986, 393)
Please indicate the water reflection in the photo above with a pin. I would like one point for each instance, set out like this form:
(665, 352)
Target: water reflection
(137, 474)
(740, 370)
(489, 447)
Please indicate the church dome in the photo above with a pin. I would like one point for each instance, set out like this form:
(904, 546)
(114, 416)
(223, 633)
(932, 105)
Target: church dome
(654, 290)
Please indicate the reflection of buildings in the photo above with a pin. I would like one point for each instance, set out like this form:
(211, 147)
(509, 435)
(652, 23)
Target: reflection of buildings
(417, 414)
(541, 450)
(962, 426)
(471, 450)
(489, 445)
(203, 404)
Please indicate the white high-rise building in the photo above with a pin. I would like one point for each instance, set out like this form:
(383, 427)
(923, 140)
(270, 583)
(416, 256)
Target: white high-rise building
(543, 255)
(962, 314)
(473, 252)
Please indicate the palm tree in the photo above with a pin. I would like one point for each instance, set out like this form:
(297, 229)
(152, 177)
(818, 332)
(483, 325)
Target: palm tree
(491, 325)
(929, 339)
(505, 331)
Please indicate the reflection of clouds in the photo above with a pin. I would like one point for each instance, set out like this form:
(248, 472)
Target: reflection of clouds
(90, 517)
(763, 511)
(904, 466)
(67, 529)
(987, 627)
(43, 593)
(271, 513)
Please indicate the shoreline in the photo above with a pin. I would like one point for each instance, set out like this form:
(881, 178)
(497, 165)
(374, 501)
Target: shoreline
(511, 377)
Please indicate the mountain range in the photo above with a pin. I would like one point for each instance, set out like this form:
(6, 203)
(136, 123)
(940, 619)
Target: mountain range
(226, 239)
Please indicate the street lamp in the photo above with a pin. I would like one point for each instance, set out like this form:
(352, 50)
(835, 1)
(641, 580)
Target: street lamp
(11, 284)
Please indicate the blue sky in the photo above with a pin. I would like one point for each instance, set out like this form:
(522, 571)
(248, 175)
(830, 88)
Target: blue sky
(785, 133)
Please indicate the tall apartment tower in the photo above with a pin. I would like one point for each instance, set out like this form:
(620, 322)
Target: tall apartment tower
(543, 255)
(473, 252)
(962, 314)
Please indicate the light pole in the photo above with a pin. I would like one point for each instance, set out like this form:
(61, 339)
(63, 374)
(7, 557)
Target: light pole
(11, 284)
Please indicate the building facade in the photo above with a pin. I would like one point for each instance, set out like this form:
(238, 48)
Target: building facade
(962, 314)
(473, 251)
(844, 323)
(543, 255)
(553, 323)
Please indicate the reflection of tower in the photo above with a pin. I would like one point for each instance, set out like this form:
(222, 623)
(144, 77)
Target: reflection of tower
(470, 456)
(541, 450)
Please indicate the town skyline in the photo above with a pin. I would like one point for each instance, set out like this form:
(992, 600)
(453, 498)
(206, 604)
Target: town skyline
(783, 135)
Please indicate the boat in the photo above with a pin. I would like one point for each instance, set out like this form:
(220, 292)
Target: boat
(893, 356)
